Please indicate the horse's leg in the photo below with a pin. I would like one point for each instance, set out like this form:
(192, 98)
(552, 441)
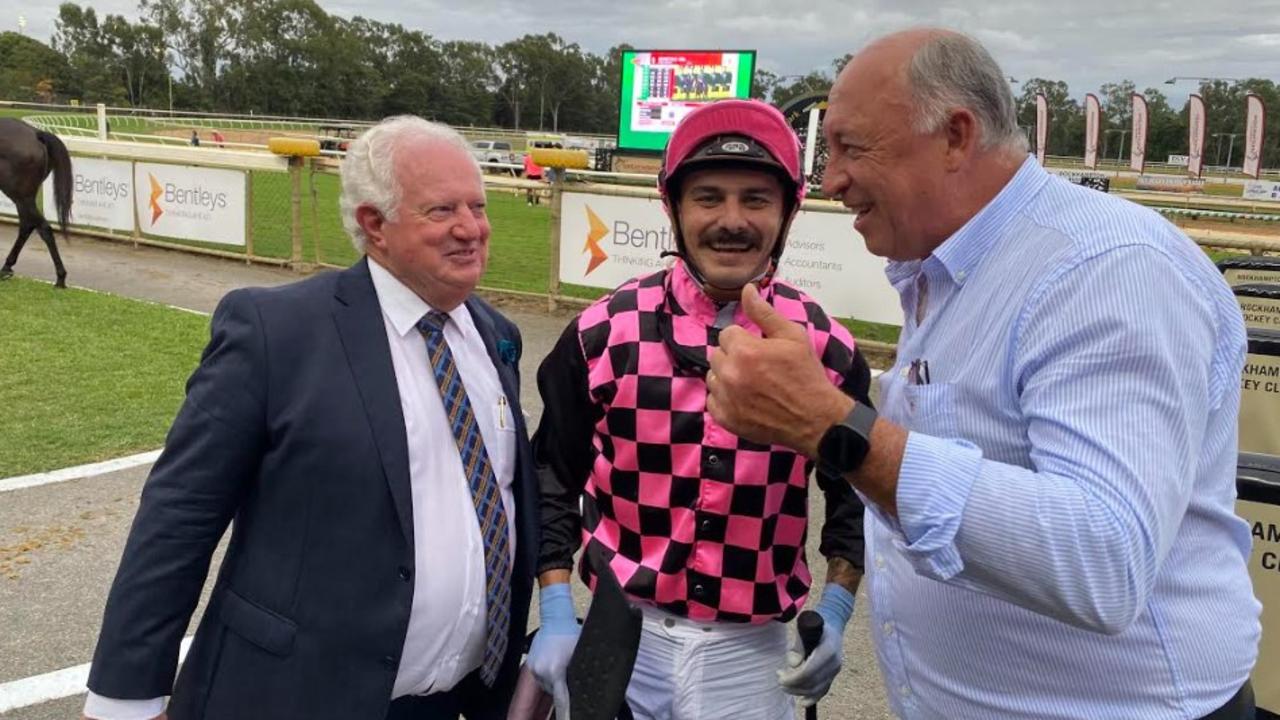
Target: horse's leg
(24, 230)
(46, 232)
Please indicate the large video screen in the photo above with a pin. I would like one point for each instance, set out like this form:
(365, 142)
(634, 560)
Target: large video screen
(661, 86)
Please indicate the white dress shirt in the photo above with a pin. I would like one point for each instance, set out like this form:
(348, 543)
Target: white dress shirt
(445, 639)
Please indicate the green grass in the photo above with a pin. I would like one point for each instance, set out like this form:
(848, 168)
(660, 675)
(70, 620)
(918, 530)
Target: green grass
(1215, 189)
(87, 377)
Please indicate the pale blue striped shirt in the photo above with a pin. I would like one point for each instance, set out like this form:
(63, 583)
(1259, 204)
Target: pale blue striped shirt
(1067, 545)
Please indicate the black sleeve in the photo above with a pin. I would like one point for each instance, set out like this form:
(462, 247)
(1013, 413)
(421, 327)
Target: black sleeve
(212, 452)
(562, 448)
(842, 528)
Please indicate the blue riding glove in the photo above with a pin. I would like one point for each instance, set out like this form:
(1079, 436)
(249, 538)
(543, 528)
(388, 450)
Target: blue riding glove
(553, 645)
(811, 678)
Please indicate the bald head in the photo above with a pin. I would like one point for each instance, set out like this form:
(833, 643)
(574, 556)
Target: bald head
(934, 71)
(922, 134)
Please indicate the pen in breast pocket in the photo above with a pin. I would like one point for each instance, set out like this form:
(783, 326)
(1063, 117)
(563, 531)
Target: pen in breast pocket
(502, 412)
(919, 373)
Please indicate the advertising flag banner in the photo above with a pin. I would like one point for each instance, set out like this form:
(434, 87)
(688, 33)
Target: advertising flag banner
(1254, 124)
(1092, 121)
(1138, 151)
(1195, 141)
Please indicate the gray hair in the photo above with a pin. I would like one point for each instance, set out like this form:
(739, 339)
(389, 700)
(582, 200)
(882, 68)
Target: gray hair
(368, 171)
(952, 70)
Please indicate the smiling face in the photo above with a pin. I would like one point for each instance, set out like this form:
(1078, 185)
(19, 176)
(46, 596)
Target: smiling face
(438, 243)
(730, 220)
(892, 177)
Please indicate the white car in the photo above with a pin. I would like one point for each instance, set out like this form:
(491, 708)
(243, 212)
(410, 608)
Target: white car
(495, 151)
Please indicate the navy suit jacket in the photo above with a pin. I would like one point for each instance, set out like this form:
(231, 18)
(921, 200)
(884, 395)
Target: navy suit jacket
(292, 427)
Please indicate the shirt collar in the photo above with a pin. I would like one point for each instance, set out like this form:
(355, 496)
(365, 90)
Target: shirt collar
(401, 305)
(962, 252)
(959, 254)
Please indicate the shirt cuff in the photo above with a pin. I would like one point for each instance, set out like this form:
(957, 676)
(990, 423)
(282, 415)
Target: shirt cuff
(933, 488)
(103, 708)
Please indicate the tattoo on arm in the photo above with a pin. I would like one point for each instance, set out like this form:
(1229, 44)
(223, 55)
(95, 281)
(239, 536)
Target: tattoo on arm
(843, 573)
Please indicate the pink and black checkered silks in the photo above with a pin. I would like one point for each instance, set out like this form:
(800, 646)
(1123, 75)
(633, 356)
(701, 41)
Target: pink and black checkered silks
(699, 521)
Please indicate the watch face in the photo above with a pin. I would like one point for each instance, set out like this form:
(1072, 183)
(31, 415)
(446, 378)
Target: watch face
(845, 445)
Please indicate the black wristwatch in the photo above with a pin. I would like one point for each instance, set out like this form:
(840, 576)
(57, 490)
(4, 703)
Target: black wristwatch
(845, 445)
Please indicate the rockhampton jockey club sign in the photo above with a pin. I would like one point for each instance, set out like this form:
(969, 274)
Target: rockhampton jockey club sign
(607, 240)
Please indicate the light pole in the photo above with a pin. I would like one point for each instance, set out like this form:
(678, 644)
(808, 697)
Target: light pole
(162, 55)
(1230, 146)
(1176, 78)
(1123, 134)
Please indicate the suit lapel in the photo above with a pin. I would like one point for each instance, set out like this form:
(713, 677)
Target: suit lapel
(364, 339)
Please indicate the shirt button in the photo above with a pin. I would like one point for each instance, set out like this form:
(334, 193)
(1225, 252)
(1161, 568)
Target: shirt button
(405, 574)
(888, 628)
(879, 562)
(669, 622)
(904, 691)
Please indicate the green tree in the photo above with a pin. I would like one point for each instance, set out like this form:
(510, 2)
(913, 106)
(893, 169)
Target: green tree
(31, 70)
(467, 83)
(763, 85)
(1166, 129)
(815, 83)
(512, 68)
(137, 51)
(203, 37)
(80, 38)
(1066, 118)
(1225, 115)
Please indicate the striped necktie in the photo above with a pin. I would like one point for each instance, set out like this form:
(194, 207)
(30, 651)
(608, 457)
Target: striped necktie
(484, 492)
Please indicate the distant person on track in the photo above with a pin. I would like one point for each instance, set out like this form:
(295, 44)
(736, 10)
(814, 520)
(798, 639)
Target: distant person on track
(1051, 527)
(195, 139)
(532, 171)
(363, 430)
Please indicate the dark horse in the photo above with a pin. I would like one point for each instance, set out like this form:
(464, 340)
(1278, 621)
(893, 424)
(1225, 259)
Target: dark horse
(27, 156)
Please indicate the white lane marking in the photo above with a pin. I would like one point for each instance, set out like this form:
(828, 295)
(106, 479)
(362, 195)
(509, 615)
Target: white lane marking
(122, 297)
(78, 472)
(54, 685)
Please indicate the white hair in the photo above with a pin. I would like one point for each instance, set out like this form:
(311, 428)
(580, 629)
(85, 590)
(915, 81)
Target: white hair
(952, 70)
(369, 169)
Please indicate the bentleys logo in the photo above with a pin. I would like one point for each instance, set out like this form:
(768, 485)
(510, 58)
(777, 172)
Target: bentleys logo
(157, 190)
(595, 234)
(188, 201)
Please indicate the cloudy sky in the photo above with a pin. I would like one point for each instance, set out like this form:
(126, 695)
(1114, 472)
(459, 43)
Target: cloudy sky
(1084, 42)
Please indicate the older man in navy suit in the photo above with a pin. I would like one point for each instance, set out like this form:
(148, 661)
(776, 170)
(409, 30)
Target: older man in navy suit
(363, 430)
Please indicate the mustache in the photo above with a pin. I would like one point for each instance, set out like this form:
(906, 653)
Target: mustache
(733, 239)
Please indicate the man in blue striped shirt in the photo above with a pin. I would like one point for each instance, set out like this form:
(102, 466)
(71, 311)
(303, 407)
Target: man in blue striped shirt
(1051, 528)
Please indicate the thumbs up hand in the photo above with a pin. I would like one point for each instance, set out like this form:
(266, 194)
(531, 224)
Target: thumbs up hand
(772, 389)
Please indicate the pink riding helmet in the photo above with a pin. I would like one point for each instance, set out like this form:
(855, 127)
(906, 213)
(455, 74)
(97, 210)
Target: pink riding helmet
(734, 131)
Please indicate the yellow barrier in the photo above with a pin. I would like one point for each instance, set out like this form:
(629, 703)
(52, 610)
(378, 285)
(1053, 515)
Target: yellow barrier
(558, 158)
(294, 147)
